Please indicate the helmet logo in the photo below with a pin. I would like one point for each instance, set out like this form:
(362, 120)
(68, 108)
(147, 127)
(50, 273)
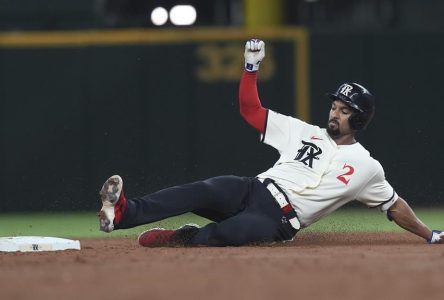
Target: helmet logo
(346, 89)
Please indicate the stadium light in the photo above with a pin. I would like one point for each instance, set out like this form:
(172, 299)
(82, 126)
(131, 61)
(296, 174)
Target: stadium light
(183, 15)
(159, 16)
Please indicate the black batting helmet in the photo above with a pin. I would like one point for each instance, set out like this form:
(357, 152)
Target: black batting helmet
(360, 100)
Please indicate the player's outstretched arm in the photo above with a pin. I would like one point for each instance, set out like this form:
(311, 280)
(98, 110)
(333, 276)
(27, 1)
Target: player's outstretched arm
(249, 104)
(404, 216)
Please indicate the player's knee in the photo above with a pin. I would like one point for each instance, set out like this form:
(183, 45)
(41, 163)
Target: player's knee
(227, 185)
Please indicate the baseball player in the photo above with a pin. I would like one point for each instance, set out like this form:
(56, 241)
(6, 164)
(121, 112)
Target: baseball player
(319, 170)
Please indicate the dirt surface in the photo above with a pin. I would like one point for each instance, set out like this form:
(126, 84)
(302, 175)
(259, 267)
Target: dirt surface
(314, 266)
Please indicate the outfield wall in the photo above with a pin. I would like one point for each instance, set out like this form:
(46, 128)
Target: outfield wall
(160, 107)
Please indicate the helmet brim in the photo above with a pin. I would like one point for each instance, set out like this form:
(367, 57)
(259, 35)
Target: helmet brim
(344, 99)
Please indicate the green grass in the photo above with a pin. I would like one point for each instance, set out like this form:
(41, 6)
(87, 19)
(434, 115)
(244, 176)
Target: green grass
(85, 225)
(77, 225)
(368, 220)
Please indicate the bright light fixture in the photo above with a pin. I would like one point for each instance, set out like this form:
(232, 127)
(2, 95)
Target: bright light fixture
(159, 16)
(183, 15)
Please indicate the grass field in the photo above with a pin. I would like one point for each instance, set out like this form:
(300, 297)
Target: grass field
(85, 224)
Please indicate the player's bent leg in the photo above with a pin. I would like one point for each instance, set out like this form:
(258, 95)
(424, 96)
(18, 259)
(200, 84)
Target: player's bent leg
(113, 203)
(244, 229)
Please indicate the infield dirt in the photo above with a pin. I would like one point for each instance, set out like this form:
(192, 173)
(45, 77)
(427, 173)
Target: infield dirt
(314, 266)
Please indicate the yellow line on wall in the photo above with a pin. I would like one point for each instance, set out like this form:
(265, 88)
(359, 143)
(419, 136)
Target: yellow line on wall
(302, 84)
(60, 39)
(136, 36)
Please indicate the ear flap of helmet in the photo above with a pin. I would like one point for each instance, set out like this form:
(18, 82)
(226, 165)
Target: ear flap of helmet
(357, 122)
(360, 120)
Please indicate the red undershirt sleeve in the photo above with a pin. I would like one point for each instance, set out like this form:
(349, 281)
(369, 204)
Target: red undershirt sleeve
(249, 103)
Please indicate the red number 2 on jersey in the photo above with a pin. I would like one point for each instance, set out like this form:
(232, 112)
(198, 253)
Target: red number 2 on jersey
(350, 171)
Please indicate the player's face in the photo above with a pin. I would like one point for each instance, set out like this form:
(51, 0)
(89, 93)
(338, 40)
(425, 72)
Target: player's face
(338, 124)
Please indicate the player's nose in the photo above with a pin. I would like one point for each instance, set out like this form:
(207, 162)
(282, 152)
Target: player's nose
(334, 114)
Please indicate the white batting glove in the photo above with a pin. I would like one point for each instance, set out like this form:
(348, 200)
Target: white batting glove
(437, 237)
(254, 54)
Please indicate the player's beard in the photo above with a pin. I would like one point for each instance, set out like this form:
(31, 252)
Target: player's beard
(333, 131)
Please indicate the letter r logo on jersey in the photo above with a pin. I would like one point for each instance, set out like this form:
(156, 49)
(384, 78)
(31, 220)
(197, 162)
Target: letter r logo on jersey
(346, 89)
(308, 153)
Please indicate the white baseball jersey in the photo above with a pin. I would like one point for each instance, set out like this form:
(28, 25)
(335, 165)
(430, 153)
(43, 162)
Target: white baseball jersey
(320, 176)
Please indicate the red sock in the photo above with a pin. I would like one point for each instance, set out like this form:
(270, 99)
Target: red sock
(120, 208)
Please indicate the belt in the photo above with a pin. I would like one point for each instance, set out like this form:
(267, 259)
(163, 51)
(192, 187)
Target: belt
(282, 199)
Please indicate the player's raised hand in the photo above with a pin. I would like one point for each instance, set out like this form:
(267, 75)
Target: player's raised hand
(254, 53)
(437, 237)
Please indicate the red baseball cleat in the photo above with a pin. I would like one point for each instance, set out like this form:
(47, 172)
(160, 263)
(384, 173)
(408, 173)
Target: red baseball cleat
(159, 237)
(156, 237)
(113, 203)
